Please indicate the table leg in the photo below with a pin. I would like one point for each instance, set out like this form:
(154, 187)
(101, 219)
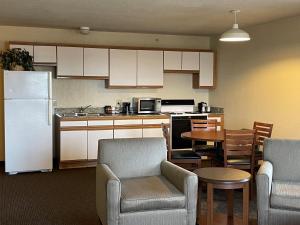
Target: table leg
(210, 204)
(246, 204)
(229, 207)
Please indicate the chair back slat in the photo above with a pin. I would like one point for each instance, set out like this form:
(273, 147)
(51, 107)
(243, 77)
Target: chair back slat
(234, 148)
(237, 142)
(240, 153)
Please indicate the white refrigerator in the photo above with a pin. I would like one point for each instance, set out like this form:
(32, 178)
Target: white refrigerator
(28, 121)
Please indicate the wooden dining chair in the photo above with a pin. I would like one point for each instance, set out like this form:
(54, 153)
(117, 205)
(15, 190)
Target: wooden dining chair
(184, 158)
(239, 150)
(201, 147)
(262, 131)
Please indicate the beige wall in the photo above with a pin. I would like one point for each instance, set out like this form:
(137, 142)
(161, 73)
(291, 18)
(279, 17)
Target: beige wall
(74, 93)
(260, 80)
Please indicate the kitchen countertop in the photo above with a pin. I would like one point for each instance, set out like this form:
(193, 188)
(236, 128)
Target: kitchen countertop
(103, 116)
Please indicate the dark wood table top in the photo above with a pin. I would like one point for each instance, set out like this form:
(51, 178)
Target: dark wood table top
(204, 135)
(222, 175)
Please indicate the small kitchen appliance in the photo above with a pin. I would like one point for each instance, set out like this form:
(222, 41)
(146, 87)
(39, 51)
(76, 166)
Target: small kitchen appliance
(126, 107)
(146, 105)
(108, 109)
(202, 106)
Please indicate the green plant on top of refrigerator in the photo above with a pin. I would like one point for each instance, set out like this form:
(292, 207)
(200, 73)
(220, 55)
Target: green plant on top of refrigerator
(16, 59)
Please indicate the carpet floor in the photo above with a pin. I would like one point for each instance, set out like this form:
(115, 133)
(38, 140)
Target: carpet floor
(65, 197)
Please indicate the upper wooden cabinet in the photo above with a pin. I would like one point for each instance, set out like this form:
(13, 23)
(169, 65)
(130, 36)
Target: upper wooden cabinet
(150, 70)
(44, 54)
(122, 68)
(69, 61)
(28, 48)
(95, 62)
(172, 60)
(177, 61)
(206, 77)
(136, 68)
(190, 61)
(127, 67)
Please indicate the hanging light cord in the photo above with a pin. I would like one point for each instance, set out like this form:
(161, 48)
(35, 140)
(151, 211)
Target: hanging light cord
(235, 12)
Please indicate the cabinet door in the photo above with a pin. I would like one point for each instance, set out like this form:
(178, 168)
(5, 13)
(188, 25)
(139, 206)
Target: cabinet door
(128, 122)
(123, 69)
(150, 69)
(206, 75)
(95, 62)
(28, 48)
(44, 54)
(73, 145)
(93, 137)
(172, 60)
(69, 61)
(190, 60)
(152, 132)
(128, 133)
(155, 121)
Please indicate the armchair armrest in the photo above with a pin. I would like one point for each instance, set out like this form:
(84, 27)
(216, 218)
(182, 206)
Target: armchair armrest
(108, 194)
(186, 182)
(264, 184)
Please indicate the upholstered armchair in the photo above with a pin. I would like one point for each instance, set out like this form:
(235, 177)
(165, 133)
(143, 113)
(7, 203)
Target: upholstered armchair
(135, 185)
(278, 183)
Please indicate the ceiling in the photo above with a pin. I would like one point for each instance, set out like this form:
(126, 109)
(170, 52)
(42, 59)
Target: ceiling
(189, 17)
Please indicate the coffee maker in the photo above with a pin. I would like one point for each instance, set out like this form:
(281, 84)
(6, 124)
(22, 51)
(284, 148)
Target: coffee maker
(202, 107)
(126, 107)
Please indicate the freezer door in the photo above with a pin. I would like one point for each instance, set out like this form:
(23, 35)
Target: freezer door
(28, 135)
(27, 85)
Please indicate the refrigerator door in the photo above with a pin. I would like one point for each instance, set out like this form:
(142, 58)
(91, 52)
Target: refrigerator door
(27, 85)
(28, 135)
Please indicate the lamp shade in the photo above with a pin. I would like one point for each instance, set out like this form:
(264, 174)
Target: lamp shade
(235, 35)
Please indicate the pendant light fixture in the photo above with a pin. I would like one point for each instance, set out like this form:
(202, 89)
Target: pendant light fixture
(235, 34)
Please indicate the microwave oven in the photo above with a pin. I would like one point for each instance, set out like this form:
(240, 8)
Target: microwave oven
(146, 105)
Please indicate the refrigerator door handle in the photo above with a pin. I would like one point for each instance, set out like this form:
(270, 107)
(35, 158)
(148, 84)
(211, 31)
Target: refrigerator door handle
(50, 85)
(50, 112)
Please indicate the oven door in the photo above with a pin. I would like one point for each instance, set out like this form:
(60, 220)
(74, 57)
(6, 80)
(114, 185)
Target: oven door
(179, 125)
(146, 106)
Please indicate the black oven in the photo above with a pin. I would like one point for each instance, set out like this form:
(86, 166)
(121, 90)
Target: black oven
(180, 124)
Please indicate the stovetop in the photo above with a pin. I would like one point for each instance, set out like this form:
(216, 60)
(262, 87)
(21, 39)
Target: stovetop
(186, 113)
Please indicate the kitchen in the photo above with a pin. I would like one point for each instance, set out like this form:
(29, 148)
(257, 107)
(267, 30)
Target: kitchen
(72, 61)
(73, 93)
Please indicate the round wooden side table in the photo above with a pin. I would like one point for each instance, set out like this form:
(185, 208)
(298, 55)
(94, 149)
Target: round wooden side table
(227, 179)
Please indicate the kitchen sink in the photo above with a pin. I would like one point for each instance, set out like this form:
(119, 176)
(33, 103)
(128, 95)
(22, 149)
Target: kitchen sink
(80, 114)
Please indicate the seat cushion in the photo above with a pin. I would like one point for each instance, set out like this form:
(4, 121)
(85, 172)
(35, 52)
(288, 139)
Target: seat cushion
(285, 195)
(205, 150)
(184, 154)
(150, 193)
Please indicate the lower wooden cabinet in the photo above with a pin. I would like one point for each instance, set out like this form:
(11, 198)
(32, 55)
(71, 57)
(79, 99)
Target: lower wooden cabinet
(128, 133)
(93, 137)
(77, 141)
(73, 145)
(152, 132)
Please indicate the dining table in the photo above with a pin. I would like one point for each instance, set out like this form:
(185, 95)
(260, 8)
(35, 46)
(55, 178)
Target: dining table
(204, 135)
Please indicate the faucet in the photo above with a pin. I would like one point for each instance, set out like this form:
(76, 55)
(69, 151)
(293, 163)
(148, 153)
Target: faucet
(82, 109)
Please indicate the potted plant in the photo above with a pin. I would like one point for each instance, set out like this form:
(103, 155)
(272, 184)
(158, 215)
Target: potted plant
(16, 59)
